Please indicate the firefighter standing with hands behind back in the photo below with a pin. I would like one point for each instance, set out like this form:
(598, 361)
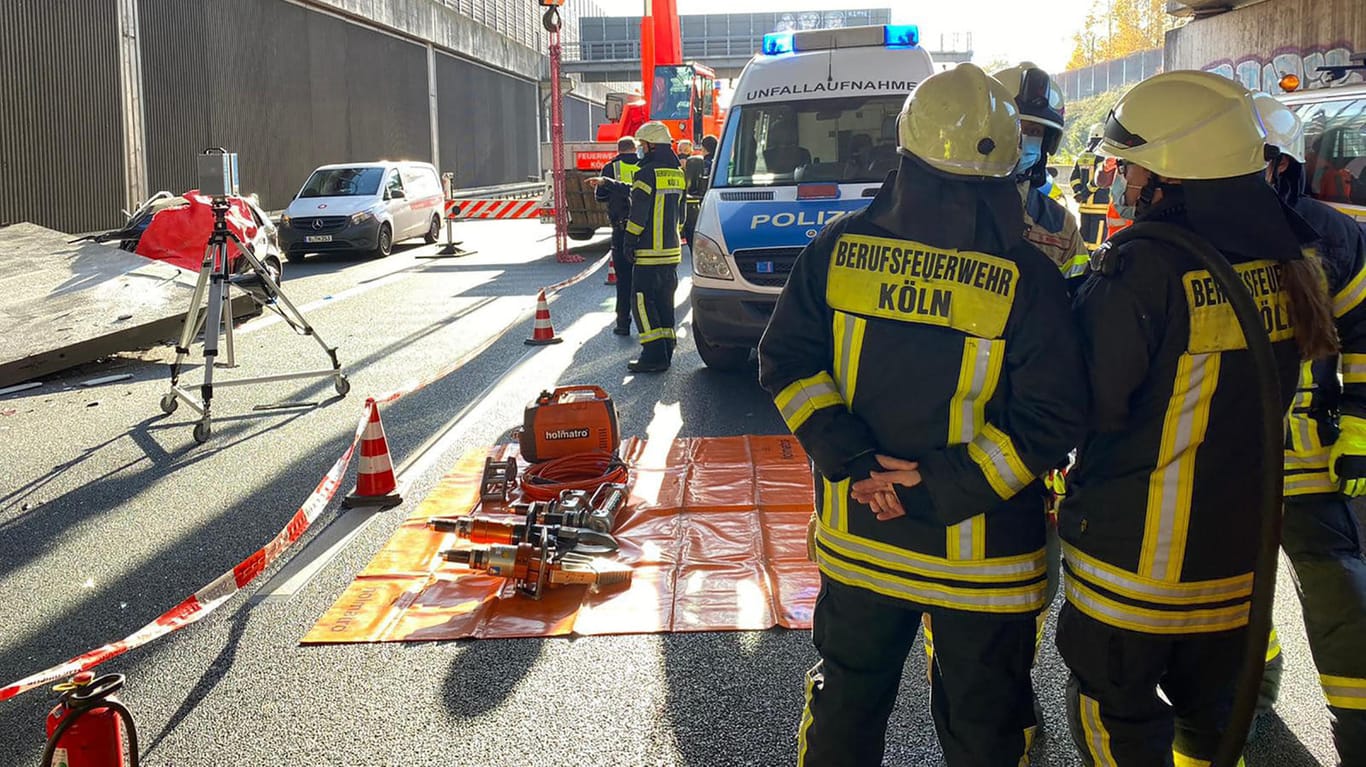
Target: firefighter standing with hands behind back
(923, 353)
(652, 242)
(1159, 545)
(618, 199)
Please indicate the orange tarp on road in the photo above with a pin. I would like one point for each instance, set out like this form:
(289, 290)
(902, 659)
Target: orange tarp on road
(715, 533)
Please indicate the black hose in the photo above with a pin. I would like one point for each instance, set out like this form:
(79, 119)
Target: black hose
(1234, 737)
(81, 701)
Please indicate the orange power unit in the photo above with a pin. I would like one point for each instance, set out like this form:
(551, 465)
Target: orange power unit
(571, 420)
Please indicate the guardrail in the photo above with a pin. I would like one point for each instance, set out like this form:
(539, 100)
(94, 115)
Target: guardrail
(502, 191)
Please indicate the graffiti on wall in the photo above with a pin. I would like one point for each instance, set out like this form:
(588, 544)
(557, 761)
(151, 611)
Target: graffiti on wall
(1263, 73)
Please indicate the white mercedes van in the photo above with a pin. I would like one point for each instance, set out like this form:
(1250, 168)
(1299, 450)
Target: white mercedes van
(810, 135)
(363, 206)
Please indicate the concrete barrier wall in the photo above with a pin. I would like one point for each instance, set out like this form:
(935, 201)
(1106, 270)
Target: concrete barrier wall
(1257, 44)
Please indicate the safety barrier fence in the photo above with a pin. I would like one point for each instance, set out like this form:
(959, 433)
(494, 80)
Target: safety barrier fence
(204, 601)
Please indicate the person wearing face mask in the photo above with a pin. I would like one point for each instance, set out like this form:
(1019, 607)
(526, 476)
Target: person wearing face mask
(652, 240)
(923, 354)
(1325, 454)
(1159, 549)
(1049, 224)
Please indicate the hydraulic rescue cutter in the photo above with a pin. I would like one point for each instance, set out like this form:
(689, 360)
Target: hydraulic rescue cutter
(534, 567)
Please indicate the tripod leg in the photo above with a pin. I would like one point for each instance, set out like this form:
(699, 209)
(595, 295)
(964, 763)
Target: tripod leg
(212, 328)
(227, 324)
(192, 317)
(283, 301)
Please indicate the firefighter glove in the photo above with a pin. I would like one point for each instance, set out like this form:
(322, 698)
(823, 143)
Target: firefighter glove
(1347, 463)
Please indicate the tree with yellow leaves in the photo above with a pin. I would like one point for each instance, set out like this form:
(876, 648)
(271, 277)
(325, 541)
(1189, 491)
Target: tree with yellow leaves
(1114, 29)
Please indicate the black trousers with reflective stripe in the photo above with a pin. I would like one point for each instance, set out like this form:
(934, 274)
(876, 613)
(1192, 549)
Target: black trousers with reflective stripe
(654, 288)
(981, 694)
(621, 262)
(1114, 711)
(1322, 538)
(1092, 229)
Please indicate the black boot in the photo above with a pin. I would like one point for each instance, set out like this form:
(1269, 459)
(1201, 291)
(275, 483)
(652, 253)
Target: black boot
(647, 366)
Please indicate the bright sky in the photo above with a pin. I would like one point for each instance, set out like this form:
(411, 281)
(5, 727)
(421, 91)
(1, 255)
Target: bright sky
(1011, 30)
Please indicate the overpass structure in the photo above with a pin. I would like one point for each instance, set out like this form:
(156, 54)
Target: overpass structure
(608, 47)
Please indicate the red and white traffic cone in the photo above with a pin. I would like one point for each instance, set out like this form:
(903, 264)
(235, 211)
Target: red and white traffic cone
(375, 485)
(611, 272)
(542, 334)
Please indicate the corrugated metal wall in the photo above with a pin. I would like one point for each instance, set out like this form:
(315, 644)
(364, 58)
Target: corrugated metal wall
(287, 88)
(487, 123)
(61, 135)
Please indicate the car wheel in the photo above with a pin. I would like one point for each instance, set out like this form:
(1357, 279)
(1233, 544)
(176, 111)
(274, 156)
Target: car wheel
(433, 232)
(384, 243)
(582, 234)
(727, 358)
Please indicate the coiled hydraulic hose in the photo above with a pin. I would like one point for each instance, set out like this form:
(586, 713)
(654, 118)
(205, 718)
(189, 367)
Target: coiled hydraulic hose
(586, 471)
(1234, 737)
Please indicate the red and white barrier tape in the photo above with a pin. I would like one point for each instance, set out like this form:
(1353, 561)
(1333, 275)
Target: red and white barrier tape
(499, 209)
(204, 601)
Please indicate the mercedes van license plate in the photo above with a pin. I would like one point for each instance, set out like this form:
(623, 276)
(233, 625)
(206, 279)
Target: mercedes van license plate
(318, 238)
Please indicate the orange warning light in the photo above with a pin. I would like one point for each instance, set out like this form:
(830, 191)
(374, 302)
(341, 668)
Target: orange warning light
(1290, 83)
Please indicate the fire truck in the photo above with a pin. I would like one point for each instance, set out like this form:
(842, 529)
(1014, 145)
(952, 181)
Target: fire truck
(683, 96)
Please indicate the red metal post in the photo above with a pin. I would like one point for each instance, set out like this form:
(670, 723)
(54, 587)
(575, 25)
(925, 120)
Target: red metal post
(562, 253)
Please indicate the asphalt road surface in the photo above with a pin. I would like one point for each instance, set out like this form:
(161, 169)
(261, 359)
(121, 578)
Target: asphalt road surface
(110, 514)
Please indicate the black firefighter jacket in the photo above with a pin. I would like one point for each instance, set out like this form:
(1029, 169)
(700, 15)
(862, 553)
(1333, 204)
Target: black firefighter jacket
(618, 196)
(1159, 526)
(917, 330)
(1320, 395)
(657, 209)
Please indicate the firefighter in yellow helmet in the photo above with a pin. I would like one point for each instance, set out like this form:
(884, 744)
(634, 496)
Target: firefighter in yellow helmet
(1325, 454)
(1051, 226)
(923, 353)
(652, 242)
(1158, 543)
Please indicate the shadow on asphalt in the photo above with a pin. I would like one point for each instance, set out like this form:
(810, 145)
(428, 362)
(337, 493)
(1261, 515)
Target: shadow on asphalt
(1274, 745)
(213, 674)
(471, 691)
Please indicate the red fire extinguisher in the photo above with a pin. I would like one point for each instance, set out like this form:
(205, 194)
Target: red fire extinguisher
(86, 727)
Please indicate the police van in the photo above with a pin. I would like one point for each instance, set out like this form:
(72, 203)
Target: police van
(1335, 145)
(810, 136)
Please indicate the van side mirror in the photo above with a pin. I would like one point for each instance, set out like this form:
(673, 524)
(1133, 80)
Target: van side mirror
(396, 194)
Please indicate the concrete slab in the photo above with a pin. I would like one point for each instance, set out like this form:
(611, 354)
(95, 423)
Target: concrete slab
(65, 304)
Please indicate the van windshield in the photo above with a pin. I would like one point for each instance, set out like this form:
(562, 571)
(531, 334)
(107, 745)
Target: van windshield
(343, 182)
(846, 140)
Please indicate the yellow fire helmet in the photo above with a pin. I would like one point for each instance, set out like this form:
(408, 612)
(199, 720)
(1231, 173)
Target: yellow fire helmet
(1284, 128)
(962, 122)
(654, 132)
(1187, 125)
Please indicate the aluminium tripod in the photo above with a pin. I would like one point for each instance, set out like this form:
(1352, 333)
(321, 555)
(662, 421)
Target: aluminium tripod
(215, 318)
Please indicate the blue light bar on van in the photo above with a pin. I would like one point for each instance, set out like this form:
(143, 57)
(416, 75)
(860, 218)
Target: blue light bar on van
(901, 35)
(886, 36)
(778, 43)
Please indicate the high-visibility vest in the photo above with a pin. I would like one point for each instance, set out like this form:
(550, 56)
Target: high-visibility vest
(626, 172)
(1115, 222)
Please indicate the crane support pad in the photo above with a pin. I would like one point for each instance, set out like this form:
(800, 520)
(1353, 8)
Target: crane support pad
(715, 533)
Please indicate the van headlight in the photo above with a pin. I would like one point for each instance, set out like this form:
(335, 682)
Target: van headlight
(708, 260)
(361, 217)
